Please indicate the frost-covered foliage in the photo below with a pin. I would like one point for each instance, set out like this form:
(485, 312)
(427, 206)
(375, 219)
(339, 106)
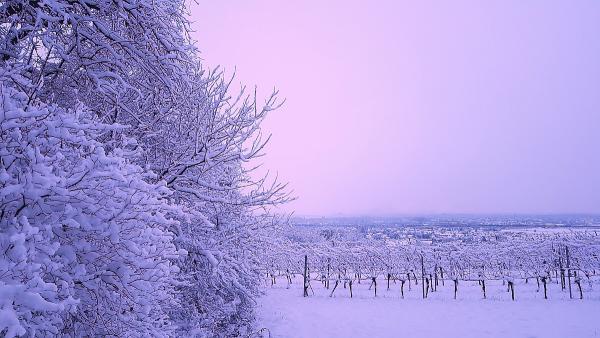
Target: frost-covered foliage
(201, 157)
(86, 241)
(128, 204)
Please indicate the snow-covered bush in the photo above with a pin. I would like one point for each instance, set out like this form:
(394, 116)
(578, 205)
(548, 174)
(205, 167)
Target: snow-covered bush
(85, 246)
(130, 128)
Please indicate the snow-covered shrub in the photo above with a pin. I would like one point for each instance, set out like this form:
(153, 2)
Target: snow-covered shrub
(133, 121)
(85, 246)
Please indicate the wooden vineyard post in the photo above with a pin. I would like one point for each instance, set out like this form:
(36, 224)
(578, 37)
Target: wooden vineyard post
(402, 289)
(569, 272)
(431, 283)
(545, 289)
(374, 283)
(578, 282)
(388, 280)
(423, 276)
(455, 287)
(305, 275)
(328, 267)
(562, 275)
(334, 287)
(511, 286)
(350, 284)
(483, 287)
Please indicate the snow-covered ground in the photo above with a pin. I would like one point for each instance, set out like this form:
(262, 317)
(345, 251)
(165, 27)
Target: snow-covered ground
(285, 313)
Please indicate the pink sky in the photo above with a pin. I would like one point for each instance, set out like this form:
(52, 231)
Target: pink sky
(400, 107)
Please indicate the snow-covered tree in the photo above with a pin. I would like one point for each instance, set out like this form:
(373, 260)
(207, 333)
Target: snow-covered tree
(149, 132)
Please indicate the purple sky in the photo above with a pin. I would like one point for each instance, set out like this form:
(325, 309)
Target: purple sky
(422, 107)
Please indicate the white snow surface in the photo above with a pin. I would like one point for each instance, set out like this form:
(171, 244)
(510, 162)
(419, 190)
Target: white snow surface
(285, 313)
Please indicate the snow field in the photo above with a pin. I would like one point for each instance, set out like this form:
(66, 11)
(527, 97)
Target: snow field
(285, 313)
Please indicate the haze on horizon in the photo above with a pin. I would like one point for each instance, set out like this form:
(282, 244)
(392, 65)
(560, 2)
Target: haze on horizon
(397, 107)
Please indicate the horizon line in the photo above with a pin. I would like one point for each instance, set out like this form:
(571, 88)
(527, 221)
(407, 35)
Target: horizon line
(425, 214)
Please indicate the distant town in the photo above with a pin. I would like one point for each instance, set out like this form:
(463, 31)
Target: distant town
(546, 221)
